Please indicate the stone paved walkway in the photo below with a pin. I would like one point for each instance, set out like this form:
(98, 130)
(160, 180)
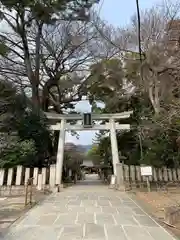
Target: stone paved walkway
(87, 212)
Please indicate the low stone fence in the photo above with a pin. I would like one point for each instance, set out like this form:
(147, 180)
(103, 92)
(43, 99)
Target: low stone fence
(132, 175)
(13, 180)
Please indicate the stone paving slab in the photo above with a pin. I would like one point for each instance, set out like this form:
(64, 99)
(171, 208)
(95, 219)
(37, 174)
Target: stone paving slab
(136, 233)
(105, 218)
(115, 232)
(87, 213)
(158, 233)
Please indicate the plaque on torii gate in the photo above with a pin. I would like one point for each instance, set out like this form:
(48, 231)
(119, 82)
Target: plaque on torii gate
(62, 126)
(87, 120)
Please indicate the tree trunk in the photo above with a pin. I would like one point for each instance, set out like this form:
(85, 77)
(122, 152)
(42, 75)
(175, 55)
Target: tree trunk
(154, 102)
(35, 97)
(35, 76)
(45, 98)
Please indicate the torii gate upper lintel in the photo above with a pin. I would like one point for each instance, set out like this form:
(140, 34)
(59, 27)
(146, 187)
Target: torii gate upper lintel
(62, 126)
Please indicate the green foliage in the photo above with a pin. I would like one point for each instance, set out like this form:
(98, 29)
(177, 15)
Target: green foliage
(106, 81)
(73, 158)
(127, 144)
(132, 66)
(18, 116)
(100, 153)
(94, 155)
(18, 153)
(161, 151)
(160, 145)
(34, 127)
(12, 106)
(152, 139)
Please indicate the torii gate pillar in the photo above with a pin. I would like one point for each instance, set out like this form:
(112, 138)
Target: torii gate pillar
(114, 146)
(60, 153)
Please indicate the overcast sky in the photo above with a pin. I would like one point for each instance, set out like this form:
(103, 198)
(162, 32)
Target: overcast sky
(118, 13)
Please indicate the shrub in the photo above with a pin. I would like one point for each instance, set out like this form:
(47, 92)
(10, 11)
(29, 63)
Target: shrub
(18, 153)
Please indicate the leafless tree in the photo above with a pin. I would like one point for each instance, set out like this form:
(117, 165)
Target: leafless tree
(160, 67)
(51, 62)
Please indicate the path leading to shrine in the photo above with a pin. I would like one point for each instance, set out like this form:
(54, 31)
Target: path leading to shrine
(87, 211)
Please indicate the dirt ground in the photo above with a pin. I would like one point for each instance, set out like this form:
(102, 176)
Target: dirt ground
(155, 204)
(11, 208)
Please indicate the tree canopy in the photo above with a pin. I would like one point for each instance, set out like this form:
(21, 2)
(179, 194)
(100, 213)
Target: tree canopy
(52, 53)
(44, 46)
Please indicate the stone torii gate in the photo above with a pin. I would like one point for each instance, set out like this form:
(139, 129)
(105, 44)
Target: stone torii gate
(62, 125)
